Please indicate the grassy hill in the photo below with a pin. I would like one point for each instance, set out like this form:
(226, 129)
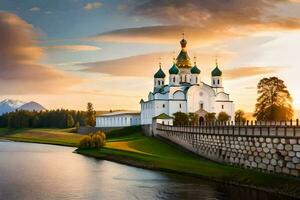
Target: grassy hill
(45, 136)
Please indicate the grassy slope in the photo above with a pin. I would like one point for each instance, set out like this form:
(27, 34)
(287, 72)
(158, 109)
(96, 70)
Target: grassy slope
(46, 136)
(129, 146)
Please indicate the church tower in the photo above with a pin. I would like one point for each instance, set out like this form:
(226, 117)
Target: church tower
(183, 62)
(216, 79)
(195, 74)
(174, 77)
(159, 78)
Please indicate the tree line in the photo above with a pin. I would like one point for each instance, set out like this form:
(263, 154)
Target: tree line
(181, 118)
(60, 118)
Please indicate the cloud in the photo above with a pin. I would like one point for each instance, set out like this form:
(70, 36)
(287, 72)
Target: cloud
(243, 72)
(204, 21)
(73, 48)
(35, 9)
(92, 6)
(146, 65)
(129, 66)
(19, 54)
(165, 34)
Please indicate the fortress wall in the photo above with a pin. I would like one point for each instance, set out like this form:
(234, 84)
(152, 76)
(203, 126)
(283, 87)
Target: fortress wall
(252, 147)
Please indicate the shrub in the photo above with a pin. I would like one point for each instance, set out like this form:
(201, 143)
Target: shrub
(181, 118)
(85, 142)
(93, 141)
(210, 117)
(223, 117)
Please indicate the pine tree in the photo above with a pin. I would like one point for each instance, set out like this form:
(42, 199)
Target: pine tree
(90, 115)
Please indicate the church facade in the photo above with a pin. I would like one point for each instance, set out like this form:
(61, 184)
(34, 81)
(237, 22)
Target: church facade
(185, 92)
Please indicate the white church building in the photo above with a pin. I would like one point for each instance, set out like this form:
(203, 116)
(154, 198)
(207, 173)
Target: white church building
(184, 92)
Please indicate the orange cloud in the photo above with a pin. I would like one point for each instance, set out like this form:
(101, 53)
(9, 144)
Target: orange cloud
(19, 55)
(165, 34)
(73, 48)
(132, 67)
(242, 72)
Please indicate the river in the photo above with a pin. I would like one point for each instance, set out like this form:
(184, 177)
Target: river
(48, 172)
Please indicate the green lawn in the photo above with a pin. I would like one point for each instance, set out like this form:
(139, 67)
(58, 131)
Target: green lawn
(129, 146)
(46, 136)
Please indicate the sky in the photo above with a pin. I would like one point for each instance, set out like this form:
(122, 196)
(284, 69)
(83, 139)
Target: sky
(65, 53)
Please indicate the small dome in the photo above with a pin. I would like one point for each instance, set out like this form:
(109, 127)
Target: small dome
(195, 70)
(216, 72)
(160, 74)
(174, 69)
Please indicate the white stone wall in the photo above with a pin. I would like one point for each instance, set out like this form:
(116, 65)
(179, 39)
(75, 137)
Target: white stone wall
(120, 120)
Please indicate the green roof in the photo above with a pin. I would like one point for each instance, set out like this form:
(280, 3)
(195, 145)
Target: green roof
(216, 72)
(163, 116)
(160, 74)
(195, 70)
(174, 69)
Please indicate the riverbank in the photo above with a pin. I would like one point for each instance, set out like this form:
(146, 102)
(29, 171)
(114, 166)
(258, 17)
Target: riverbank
(62, 137)
(129, 146)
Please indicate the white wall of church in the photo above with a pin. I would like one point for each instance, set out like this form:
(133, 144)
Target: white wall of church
(225, 106)
(200, 97)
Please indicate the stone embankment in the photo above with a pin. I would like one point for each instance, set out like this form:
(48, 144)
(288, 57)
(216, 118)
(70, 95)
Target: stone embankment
(271, 148)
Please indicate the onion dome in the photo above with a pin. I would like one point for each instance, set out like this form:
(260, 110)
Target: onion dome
(195, 70)
(160, 73)
(216, 71)
(174, 69)
(183, 59)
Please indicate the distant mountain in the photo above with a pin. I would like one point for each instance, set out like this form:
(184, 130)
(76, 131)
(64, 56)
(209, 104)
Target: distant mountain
(9, 105)
(31, 106)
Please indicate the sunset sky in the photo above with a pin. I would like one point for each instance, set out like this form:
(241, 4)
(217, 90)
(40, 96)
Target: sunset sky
(65, 53)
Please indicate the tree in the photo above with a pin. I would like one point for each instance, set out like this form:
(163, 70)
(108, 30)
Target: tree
(181, 118)
(240, 116)
(90, 115)
(70, 121)
(210, 117)
(193, 118)
(274, 101)
(223, 117)
(93, 141)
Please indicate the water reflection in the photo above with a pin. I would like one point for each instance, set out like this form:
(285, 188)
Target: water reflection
(34, 171)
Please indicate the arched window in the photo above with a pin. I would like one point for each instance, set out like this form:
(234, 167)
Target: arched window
(173, 79)
(158, 82)
(214, 82)
(186, 78)
(162, 82)
(218, 81)
(163, 105)
(196, 79)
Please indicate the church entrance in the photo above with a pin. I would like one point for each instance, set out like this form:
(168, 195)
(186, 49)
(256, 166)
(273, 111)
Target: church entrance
(201, 120)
